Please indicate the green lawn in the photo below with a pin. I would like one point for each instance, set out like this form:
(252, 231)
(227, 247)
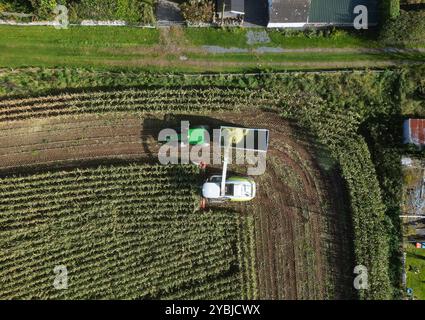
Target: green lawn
(217, 37)
(73, 37)
(47, 46)
(415, 268)
(236, 37)
(178, 51)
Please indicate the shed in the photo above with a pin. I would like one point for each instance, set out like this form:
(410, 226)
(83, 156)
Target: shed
(414, 132)
(303, 13)
(288, 13)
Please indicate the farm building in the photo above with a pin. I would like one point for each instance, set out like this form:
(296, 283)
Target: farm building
(302, 13)
(414, 132)
(299, 13)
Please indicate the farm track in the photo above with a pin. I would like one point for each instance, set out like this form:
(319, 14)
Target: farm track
(297, 213)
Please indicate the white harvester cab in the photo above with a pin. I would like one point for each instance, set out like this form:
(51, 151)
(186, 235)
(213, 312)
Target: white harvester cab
(235, 188)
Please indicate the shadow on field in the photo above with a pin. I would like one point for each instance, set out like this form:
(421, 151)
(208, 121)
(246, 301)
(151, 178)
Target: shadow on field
(152, 127)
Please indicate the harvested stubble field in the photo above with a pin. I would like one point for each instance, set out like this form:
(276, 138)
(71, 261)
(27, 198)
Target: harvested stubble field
(292, 242)
(54, 140)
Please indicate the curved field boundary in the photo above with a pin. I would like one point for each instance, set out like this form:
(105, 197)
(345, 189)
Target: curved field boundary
(303, 234)
(338, 131)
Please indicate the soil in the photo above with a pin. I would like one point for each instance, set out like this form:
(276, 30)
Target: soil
(38, 142)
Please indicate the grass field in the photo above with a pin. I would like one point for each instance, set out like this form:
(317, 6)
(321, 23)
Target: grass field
(237, 38)
(181, 50)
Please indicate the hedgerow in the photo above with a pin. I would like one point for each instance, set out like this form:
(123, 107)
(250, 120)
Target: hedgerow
(407, 29)
(131, 11)
(195, 11)
(390, 9)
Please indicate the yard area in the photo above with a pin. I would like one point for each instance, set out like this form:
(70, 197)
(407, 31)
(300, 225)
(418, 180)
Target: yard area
(415, 269)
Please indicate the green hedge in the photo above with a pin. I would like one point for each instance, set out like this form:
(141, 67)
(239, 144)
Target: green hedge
(390, 9)
(131, 11)
(407, 29)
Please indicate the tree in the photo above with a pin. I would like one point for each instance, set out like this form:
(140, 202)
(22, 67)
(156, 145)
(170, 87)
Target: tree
(198, 11)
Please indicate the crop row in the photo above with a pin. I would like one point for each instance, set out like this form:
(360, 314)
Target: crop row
(134, 100)
(160, 93)
(122, 232)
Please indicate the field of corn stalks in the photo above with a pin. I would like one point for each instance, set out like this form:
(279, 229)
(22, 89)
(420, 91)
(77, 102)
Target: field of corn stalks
(134, 100)
(135, 232)
(122, 232)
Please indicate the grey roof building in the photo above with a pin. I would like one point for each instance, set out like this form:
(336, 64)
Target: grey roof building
(288, 11)
(301, 13)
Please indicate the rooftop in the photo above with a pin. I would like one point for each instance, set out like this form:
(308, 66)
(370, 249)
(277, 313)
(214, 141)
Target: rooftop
(302, 12)
(340, 11)
(289, 11)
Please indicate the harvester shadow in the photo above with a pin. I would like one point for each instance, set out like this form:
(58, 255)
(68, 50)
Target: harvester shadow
(151, 128)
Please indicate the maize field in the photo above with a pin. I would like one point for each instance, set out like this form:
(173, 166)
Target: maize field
(122, 232)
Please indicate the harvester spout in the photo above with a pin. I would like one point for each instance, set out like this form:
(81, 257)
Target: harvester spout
(231, 136)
